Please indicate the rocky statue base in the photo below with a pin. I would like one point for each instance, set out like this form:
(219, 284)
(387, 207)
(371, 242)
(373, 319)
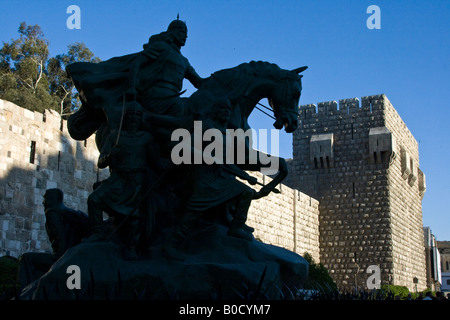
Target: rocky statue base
(212, 265)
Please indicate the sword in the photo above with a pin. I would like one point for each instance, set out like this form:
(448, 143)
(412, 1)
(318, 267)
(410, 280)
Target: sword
(226, 168)
(232, 171)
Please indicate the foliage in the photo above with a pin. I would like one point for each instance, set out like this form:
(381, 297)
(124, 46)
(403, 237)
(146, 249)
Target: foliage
(318, 276)
(33, 80)
(387, 291)
(60, 84)
(8, 268)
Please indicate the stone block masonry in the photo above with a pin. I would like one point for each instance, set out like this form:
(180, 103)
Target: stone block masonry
(289, 219)
(37, 153)
(362, 164)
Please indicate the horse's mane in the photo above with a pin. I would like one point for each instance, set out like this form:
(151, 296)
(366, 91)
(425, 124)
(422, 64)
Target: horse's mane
(252, 69)
(234, 82)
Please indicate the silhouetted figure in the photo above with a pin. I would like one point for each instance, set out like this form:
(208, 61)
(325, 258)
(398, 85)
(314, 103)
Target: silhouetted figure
(156, 76)
(128, 153)
(214, 185)
(65, 228)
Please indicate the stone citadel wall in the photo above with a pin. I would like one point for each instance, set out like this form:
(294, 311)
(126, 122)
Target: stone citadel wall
(289, 219)
(37, 153)
(362, 164)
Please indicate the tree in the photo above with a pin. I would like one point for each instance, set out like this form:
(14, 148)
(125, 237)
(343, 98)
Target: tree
(23, 77)
(61, 86)
(32, 80)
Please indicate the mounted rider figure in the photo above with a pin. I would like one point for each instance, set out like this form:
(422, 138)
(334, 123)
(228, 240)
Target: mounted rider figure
(156, 75)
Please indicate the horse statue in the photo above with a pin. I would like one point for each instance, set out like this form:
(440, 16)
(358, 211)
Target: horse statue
(244, 86)
(104, 102)
(170, 219)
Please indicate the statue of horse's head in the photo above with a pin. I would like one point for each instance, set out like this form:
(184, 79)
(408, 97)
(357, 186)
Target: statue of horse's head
(284, 99)
(248, 83)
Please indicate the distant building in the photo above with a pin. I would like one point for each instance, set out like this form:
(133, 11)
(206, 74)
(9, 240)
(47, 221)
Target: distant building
(444, 251)
(433, 260)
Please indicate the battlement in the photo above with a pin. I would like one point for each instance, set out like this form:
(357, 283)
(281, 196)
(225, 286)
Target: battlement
(368, 105)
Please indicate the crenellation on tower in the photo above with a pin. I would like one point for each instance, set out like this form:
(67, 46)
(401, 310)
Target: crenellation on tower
(349, 106)
(327, 108)
(367, 106)
(307, 111)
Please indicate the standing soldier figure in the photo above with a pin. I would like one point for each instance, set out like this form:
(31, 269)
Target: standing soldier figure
(215, 185)
(128, 154)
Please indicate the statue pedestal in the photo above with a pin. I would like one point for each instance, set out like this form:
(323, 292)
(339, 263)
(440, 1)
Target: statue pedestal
(214, 266)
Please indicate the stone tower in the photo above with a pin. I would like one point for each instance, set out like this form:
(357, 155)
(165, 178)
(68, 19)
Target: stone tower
(362, 164)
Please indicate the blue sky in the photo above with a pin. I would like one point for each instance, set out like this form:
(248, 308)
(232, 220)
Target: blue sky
(407, 59)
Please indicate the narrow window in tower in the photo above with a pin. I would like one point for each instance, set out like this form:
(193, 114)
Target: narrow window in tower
(32, 151)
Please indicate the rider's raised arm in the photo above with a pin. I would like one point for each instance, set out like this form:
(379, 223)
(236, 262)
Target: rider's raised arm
(193, 77)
